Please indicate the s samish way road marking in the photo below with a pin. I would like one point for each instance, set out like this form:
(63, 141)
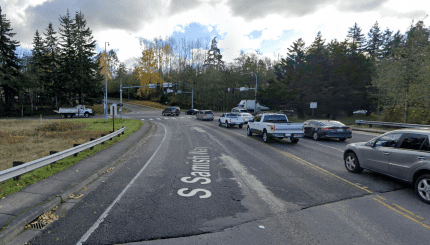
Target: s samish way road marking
(200, 174)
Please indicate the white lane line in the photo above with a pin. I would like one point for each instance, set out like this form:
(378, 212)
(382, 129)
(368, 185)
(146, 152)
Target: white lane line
(151, 119)
(166, 118)
(189, 117)
(105, 213)
(182, 117)
(158, 119)
(143, 119)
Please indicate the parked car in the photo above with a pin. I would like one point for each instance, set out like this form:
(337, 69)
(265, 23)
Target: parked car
(171, 111)
(271, 125)
(230, 119)
(246, 117)
(192, 112)
(403, 154)
(205, 115)
(324, 129)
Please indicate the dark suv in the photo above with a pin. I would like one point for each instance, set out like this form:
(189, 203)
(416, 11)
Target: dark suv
(171, 111)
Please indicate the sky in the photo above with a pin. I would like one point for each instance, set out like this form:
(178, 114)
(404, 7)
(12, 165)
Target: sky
(270, 26)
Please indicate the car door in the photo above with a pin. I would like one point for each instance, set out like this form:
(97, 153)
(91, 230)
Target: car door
(410, 154)
(376, 157)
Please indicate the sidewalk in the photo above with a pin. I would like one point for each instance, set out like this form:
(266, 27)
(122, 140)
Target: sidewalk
(20, 208)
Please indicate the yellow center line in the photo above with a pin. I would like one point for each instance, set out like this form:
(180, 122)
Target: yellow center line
(381, 197)
(405, 215)
(409, 212)
(310, 164)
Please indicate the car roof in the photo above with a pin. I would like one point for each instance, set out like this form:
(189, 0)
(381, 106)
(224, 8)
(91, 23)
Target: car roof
(413, 130)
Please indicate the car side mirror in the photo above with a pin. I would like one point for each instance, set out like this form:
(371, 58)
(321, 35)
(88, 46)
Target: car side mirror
(370, 143)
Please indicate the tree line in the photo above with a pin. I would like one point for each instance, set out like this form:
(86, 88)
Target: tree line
(61, 69)
(383, 72)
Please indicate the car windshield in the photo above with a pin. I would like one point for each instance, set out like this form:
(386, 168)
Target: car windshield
(275, 118)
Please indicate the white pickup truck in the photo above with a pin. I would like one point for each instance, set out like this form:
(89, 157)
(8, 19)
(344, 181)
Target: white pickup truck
(230, 119)
(77, 111)
(275, 125)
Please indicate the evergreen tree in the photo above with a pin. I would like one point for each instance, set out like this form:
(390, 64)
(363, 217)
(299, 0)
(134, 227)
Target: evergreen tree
(68, 61)
(375, 41)
(50, 63)
(37, 60)
(88, 69)
(9, 62)
(356, 39)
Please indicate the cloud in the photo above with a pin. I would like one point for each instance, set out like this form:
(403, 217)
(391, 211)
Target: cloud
(360, 6)
(257, 9)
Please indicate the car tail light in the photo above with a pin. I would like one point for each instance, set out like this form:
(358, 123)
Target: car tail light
(230, 120)
(349, 129)
(303, 128)
(326, 129)
(204, 115)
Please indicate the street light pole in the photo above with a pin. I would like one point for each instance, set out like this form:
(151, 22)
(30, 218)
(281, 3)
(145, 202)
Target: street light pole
(106, 105)
(256, 86)
(120, 91)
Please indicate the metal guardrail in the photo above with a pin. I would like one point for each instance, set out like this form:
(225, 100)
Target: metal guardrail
(391, 124)
(30, 166)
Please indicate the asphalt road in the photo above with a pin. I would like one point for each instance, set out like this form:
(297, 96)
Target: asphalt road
(194, 182)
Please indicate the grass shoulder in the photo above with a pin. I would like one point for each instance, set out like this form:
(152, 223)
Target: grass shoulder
(28, 140)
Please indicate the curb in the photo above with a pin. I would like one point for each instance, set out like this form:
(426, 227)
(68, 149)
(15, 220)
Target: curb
(16, 225)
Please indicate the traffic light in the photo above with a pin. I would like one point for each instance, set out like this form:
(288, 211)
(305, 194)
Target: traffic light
(158, 86)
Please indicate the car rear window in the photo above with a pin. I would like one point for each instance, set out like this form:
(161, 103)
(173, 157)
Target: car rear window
(333, 123)
(232, 115)
(275, 118)
(209, 112)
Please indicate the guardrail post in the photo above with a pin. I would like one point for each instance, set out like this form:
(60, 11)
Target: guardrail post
(103, 136)
(370, 125)
(110, 133)
(76, 154)
(92, 147)
(52, 153)
(17, 163)
(123, 131)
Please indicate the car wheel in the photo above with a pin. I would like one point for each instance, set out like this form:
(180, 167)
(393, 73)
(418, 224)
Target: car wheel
(69, 115)
(241, 126)
(342, 139)
(352, 164)
(294, 140)
(248, 131)
(87, 115)
(220, 124)
(422, 188)
(265, 137)
(315, 136)
(226, 124)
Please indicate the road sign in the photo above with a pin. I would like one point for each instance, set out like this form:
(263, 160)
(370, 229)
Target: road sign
(313, 104)
(169, 90)
(242, 89)
(170, 85)
(151, 85)
(165, 85)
